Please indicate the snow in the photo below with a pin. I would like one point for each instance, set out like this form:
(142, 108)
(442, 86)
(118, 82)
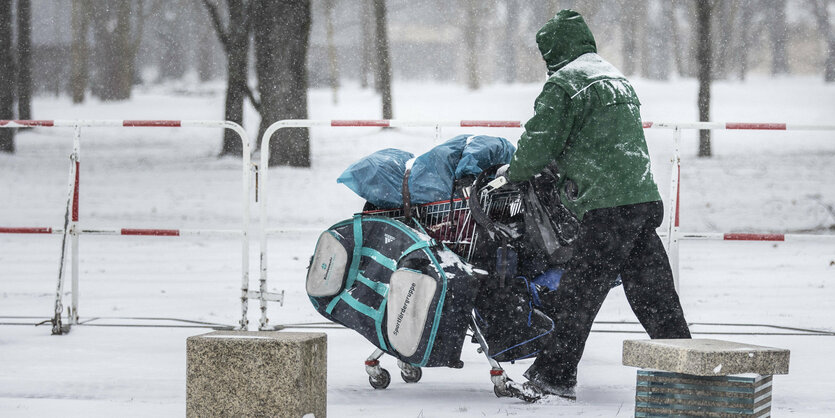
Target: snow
(171, 178)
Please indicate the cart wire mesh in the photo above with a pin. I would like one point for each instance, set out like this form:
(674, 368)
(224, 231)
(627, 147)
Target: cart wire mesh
(450, 221)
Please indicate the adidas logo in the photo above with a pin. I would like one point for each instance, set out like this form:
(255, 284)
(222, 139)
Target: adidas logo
(388, 238)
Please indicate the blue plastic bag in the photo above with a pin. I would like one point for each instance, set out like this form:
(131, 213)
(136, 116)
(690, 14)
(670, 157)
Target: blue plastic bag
(378, 178)
(434, 171)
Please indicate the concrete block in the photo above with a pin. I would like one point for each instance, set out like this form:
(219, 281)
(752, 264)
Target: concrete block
(705, 357)
(256, 374)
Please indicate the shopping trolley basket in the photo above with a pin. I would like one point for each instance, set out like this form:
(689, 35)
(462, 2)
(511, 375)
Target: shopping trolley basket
(450, 221)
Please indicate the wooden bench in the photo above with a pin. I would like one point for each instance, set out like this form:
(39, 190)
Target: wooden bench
(256, 374)
(703, 377)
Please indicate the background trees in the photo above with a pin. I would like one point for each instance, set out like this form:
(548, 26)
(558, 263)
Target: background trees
(104, 49)
(6, 76)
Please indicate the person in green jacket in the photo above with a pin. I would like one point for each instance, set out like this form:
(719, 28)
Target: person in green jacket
(587, 122)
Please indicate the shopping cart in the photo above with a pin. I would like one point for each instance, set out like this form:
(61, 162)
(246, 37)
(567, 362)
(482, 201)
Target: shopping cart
(452, 223)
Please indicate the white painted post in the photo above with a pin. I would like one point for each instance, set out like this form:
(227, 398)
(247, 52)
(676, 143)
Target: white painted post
(672, 229)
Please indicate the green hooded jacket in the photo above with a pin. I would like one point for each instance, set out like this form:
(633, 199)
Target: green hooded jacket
(586, 120)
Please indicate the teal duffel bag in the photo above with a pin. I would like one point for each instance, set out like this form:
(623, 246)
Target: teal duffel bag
(406, 293)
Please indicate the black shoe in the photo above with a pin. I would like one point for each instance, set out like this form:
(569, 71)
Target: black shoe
(523, 391)
(565, 392)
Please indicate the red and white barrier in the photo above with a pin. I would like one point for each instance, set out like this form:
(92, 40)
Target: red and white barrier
(72, 229)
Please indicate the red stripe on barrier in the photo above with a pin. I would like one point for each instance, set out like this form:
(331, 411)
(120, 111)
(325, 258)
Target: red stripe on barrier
(380, 123)
(75, 192)
(678, 195)
(153, 232)
(44, 230)
(491, 124)
(646, 125)
(28, 122)
(151, 123)
(754, 237)
(767, 126)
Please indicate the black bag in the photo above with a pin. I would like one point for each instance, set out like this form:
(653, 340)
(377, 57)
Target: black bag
(511, 323)
(549, 225)
(406, 293)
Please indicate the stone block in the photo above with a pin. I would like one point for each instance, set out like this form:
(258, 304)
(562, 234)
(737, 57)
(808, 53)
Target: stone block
(256, 374)
(705, 357)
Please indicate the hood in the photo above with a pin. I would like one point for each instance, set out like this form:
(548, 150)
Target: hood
(564, 38)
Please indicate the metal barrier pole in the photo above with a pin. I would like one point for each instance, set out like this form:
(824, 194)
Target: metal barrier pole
(74, 225)
(672, 234)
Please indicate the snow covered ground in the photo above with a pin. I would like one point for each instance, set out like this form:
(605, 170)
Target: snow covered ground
(171, 178)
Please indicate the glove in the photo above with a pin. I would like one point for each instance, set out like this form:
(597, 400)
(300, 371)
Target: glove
(502, 171)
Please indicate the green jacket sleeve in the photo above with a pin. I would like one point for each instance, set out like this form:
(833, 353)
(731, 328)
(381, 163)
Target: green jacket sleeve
(545, 134)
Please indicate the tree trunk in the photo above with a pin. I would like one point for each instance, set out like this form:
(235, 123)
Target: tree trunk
(6, 76)
(778, 34)
(629, 35)
(671, 15)
(235, 42)
(114, 55)
(367, 40)
(80, 52)
(24, 59)
(282, 32)
(822, 19)
(333, 68)
(746, 13)
(724, 38)
(471, 40)
(383, 61)
(512, 10)
(173, 65)
(703, 57)
(658, 49)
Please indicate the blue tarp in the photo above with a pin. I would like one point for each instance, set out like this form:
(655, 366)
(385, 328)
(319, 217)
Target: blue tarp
(378, 178)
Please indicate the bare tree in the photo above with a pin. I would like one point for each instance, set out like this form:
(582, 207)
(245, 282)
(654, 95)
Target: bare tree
(746, 15)
(117, 39)
(509, 47)
(282, 32)
(383, 61)
(24, 59)
(6, 76)
(704, 59)
(778, 37)
(235, 41)
(671, 15)
(170, 34)
(825, 29)
(472, 30)
(80, 52)
(334, 70)
(629, 36)
(367, 39)
(724, 38)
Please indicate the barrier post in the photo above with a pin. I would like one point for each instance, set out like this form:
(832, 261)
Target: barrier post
(74, 225)
(672, 228)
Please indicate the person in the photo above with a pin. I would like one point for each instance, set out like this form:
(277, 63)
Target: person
(587, 121)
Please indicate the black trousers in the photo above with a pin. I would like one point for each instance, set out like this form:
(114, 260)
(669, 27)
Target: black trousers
(620, 240)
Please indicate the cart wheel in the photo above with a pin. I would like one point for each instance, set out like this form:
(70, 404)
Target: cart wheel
(501, 392)
(413, 377)
(382, 381)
